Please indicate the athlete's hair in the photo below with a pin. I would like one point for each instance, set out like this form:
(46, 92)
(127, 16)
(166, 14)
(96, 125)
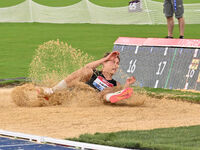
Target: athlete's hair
(106, 54)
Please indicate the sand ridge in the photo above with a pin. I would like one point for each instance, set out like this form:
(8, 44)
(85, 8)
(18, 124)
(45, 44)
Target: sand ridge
(64, 121)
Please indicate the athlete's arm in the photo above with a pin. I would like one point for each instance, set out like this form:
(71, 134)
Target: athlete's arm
(129, 81)
(93, 65)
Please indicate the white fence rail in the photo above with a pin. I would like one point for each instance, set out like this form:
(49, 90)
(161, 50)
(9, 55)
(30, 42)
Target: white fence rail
(87, 12)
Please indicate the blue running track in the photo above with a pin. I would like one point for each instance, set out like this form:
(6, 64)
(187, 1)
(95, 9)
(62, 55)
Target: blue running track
(18, 144)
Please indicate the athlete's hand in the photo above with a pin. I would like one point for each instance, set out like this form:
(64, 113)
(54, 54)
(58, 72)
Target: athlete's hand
(112, 55)
(130, 81)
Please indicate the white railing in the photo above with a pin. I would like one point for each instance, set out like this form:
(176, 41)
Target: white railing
(88, 12)
(41, 139)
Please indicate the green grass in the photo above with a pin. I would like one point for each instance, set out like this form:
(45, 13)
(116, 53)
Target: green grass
(120, 3)
(53, 3)
(181, 138)
(7, 3)
(57, 3)
(160, 93)
(111, 3)
(61, 3)
(18, 41)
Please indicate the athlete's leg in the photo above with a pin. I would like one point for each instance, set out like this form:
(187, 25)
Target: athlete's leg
(81, 75)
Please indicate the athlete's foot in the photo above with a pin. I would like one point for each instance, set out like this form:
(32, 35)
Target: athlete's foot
(45, 93)
(120, 95)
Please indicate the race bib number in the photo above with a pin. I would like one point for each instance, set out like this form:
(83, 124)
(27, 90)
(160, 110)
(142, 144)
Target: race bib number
(100, 83)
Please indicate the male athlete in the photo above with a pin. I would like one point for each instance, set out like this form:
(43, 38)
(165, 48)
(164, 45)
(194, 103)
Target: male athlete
(102, 80)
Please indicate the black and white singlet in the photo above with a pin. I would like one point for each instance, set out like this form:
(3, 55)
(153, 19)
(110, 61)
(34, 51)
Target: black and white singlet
(99, 82)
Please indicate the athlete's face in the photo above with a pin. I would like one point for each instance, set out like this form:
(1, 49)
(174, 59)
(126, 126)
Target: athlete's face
(111, 66)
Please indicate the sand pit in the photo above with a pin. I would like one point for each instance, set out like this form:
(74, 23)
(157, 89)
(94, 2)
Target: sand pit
(79, 117)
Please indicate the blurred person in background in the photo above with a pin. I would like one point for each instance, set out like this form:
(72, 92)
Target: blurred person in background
(172, 7)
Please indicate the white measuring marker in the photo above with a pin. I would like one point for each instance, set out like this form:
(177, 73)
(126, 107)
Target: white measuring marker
(136, 50)
(166, 49)
(156, 85)
(195, 52)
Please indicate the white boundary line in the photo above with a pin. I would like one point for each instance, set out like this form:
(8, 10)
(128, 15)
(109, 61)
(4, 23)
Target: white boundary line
(41, 139)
